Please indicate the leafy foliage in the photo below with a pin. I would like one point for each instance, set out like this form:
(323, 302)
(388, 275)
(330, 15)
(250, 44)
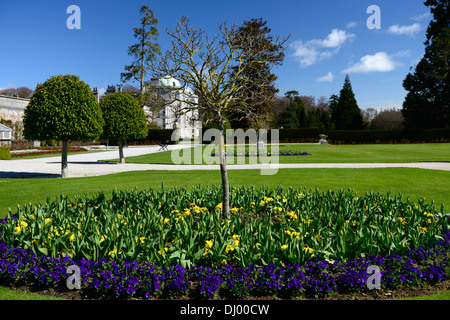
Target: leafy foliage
(427, 103)
(63, 108)
(124, 117)
(183, 227)
(145, 50)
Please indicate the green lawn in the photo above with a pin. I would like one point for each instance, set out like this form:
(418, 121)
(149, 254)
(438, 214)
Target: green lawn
(7, 294)
(414, 183)
(318, 154)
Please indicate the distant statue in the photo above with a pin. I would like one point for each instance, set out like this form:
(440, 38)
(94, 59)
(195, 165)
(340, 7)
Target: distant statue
(323, 139)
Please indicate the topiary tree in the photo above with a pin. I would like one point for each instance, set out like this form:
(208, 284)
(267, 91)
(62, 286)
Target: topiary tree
(63, 108)
(124, 119)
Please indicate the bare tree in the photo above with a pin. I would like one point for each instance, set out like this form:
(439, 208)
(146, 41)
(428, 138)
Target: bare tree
(390, 119)
(214, 69)
(21, 92)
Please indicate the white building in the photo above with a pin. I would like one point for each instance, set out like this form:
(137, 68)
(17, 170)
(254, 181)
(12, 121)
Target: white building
(12, 108)
(179, 114)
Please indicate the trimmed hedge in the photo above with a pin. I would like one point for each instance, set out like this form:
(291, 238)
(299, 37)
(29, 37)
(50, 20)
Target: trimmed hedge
(5, 154)
(155, 136)
(366, 136)
(311, 135)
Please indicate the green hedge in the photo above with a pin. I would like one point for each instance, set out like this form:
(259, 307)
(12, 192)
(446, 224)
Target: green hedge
(155, 136)
(5, 154)
(366, 136)
(311, 135)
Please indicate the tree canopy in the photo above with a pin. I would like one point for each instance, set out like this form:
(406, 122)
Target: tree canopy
(263, 52)
(346, 113)
(145, 51)
(427, 103)
(63, 108)
(124, 119)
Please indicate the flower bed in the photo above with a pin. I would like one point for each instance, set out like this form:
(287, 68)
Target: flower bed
(284, 242)
(35, 153)
(109, 279)
(265, 154)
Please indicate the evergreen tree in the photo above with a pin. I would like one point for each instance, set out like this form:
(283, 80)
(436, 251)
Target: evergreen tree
(295, 115)
(124, 119)
(144, 51)
(333, 101)
(63, 108)
(346, 113)
(427, 102)
(254, 39)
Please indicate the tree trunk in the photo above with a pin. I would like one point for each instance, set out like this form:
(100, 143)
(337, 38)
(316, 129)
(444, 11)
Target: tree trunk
(122, 158)
(64, 166)
(142, 75)
(224, 174)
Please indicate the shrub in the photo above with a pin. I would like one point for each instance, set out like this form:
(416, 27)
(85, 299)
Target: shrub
(5, 154)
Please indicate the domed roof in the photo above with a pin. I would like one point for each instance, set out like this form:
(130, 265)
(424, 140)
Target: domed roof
(168, 81)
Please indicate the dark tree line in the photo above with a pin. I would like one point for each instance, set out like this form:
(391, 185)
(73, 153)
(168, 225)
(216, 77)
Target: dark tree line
(338, 112)
(427, 103)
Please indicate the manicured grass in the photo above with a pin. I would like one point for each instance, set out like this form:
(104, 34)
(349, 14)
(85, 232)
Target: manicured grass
(437, 296)
(413, 183)
(8, 294)
(318, 154)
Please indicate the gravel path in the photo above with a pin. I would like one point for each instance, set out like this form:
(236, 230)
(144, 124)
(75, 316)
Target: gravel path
(83, 165)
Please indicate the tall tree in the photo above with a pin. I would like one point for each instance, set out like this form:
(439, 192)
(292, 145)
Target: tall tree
(346, 113)
(262, 53)
(207, 67)
(145, 51)
(295, 115)
(427, 103)
(124, 119)
(63, 108)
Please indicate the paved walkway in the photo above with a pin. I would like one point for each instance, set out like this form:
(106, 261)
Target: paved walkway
(83, 165)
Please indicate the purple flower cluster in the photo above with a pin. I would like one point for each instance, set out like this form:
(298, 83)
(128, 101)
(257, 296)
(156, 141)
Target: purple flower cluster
(109, 279)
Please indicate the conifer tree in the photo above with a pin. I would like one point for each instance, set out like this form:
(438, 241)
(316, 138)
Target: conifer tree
(427, 103)
(346, 113)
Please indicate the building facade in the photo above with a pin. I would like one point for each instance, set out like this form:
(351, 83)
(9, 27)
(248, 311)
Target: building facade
(179, 113)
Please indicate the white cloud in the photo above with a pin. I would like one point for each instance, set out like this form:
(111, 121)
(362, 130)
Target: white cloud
(379, 62)
(326, 78)
(315, 50)
(421, 17)
(351, 24)
(334, 40)
(405, 30)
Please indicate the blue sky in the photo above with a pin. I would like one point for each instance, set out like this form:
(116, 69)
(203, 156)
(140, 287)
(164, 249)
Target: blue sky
(328, 39)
